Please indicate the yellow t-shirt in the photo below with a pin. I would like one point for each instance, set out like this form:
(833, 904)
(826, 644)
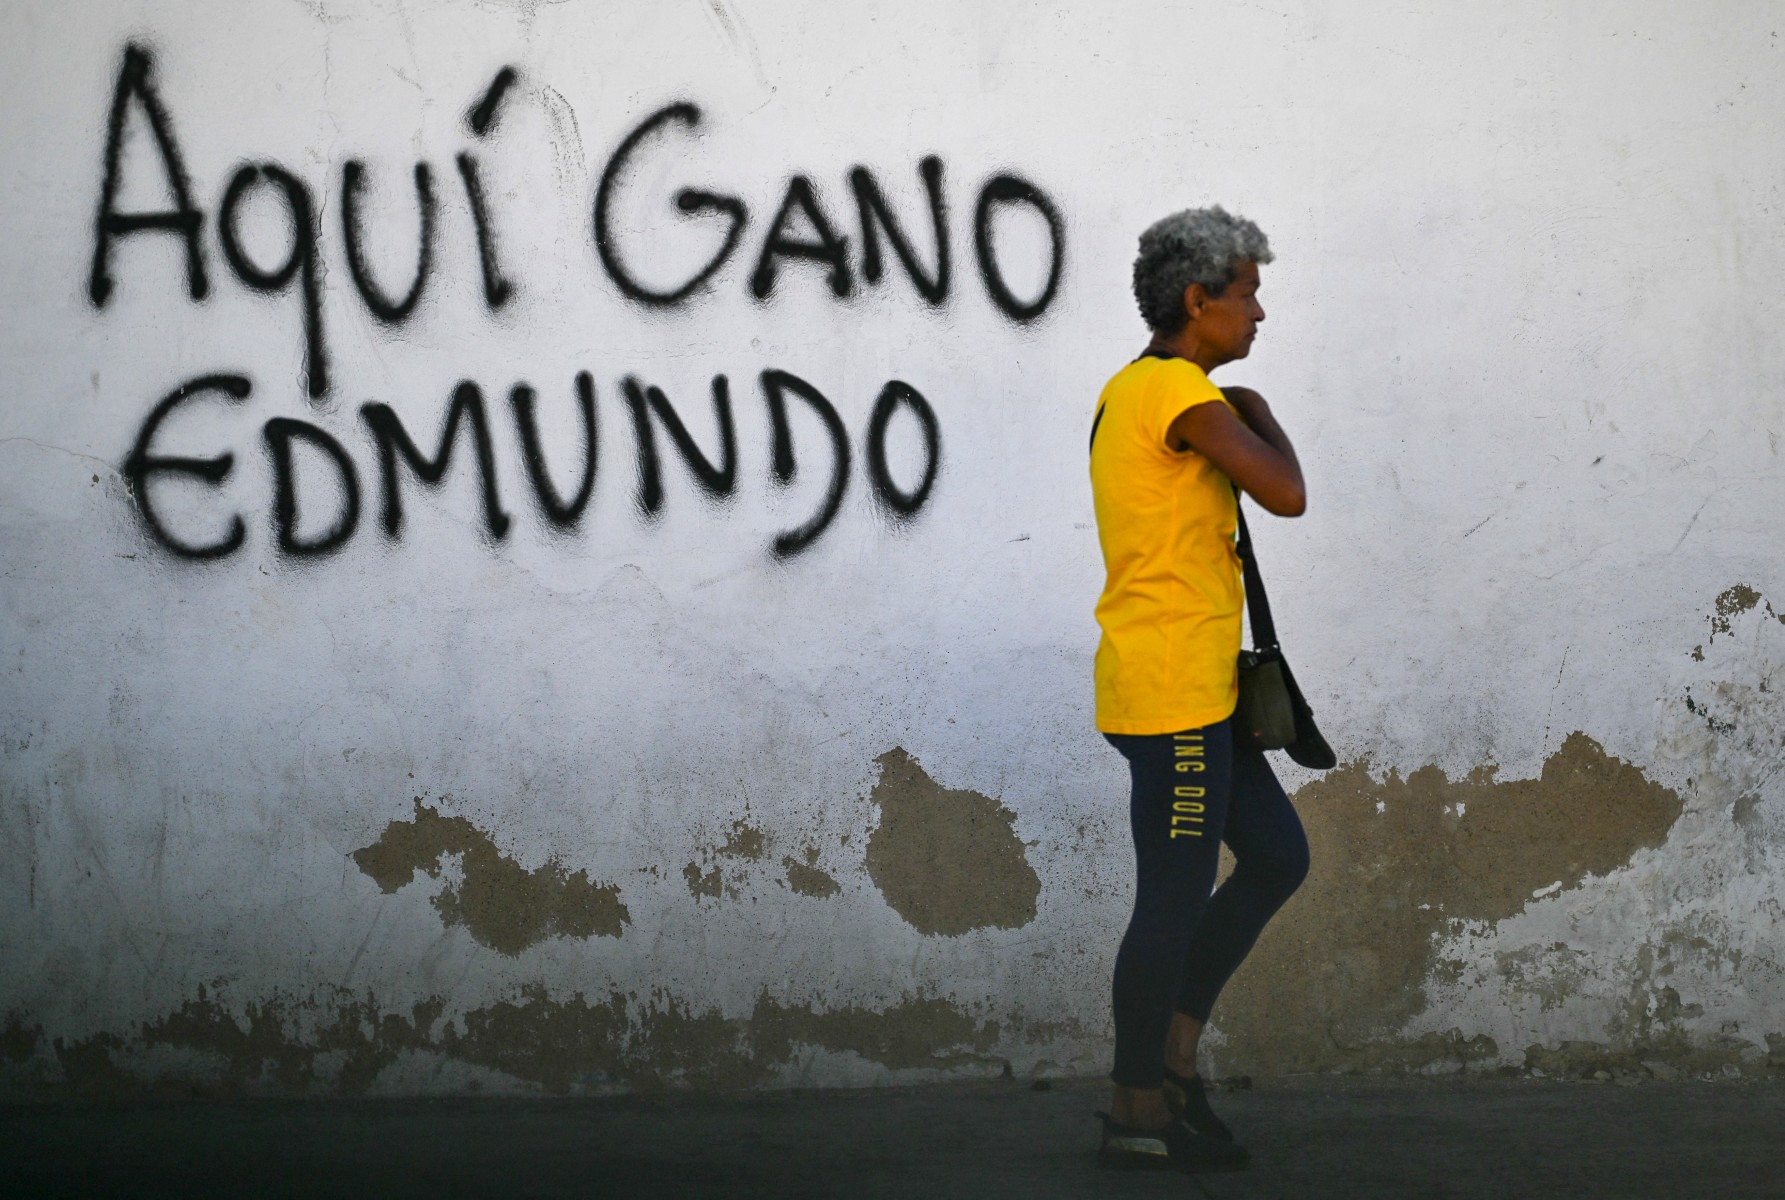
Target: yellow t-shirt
(1170, 610)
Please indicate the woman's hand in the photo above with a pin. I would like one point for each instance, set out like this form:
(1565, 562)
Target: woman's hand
(1249, 404)
(1251, 449)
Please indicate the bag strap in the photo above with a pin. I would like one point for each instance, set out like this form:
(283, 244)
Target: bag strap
(1264, 630)
(1258, 605)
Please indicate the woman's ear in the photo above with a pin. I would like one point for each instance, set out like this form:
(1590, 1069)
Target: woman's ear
(1194, 300)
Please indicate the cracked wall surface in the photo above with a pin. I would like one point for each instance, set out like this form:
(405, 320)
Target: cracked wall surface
(764, 758)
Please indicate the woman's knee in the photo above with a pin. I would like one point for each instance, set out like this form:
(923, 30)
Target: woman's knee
(1292, 868)
(1280, 869)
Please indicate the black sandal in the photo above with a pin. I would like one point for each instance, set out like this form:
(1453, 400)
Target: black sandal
(1177, 1147)
(1187, 1100)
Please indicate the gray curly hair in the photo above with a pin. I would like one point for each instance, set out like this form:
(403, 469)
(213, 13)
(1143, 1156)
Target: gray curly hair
(1198, 245)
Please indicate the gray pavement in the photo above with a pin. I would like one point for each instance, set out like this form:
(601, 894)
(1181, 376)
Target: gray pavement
(1311, 1139)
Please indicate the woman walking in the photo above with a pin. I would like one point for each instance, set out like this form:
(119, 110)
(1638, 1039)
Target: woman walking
(1168, 450)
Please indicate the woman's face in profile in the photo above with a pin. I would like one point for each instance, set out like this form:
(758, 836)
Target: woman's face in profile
(1226, 324)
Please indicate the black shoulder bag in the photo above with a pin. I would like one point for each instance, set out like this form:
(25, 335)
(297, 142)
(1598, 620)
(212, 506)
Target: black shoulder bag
(1271, 713)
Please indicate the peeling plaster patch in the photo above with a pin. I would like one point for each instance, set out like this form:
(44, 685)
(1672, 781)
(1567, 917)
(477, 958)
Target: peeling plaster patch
(1732, 603)
(1343, 967)
(1550, 973)
(1667, 1006)
(311, 1047)
(947, 860)
(559, 1045)
(500, 903)
(918, 1032)
(1649, 1034)
(18, 1042)
(1429, 1054)
(744, 842)
(806, 879)
(710, 884)
(273, 1047)
(1582, 1060)
(1648, 1042)
(1740, 706)
(1703, 713)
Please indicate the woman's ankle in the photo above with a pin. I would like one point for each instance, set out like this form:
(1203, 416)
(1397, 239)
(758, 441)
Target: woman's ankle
(1140, 1108)
(1182, 1040)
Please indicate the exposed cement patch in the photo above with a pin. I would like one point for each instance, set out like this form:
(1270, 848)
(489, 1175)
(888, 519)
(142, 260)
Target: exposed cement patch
(338, 1047)
(1732, 603)
(500, 903)
(744, 843)
(561, 1045)
(918, 1032)
(1664, 1058)
(1342, 968)
(1649, 1036)
(947, 860)
(1745, 709)
(18, 1041)
(709, 884)
(743, 840)
(806, 879)
(275, 1047)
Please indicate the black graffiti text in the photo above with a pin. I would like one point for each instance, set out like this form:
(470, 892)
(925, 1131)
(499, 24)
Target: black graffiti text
(300, 270)
(402, 459)
(801, 235)
(803, 231)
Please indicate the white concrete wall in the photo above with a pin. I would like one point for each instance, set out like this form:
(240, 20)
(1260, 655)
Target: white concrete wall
(698, 813)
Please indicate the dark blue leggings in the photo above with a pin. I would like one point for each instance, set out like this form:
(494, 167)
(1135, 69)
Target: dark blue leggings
(1193, 791)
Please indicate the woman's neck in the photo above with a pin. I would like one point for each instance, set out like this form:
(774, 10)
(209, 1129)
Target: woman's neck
(1186, 345)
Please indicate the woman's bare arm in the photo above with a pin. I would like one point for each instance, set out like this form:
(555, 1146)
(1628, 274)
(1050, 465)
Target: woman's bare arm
(1251, 449)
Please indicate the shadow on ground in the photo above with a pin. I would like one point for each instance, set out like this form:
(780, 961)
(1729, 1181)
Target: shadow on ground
(1384, 1140)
